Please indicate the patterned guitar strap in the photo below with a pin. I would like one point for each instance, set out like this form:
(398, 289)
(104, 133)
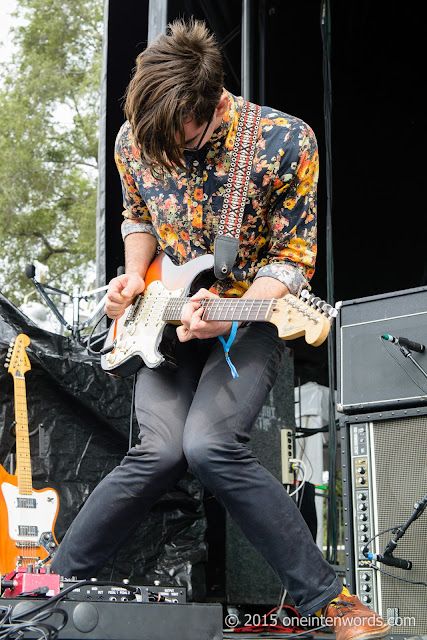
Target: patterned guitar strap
(227, 240)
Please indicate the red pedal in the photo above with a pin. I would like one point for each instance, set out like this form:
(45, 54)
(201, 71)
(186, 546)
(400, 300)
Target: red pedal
(29, 583)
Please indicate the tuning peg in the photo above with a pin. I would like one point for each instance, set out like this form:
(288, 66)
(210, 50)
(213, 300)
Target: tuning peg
(329, 310)
(12, 342)
(306, 295)
(333, 313)
(317, 303)
(326, 308)
(310, 298)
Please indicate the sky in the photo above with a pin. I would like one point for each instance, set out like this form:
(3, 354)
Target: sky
(6, 21)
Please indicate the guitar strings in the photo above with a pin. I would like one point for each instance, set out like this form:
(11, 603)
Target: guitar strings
(222, 308)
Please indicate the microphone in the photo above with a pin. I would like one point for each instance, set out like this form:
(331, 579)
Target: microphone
(391, 561)
(404, 342)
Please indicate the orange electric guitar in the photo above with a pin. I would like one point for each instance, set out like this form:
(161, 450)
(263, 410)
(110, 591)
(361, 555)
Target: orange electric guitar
(136, 339)
(27, 516)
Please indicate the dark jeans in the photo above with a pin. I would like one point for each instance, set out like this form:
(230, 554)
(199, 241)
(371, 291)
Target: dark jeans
(199, 416)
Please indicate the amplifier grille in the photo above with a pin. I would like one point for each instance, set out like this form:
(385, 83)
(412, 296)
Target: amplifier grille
(400, 447)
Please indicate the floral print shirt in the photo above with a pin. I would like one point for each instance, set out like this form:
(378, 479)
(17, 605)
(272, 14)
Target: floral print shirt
(278, 233)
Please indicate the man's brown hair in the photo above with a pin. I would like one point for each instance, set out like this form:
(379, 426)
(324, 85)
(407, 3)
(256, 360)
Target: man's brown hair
(178, 76)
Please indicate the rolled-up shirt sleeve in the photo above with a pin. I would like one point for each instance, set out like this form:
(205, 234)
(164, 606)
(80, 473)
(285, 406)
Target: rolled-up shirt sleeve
(137, 218)
(293, 205)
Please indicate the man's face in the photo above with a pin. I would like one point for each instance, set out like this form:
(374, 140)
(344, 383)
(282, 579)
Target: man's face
(196, 136)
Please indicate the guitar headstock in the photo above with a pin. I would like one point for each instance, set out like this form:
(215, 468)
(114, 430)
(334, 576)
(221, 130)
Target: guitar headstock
(305, 316)
(17, 362)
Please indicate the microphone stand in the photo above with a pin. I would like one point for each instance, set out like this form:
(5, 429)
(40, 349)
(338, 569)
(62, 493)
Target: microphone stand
(400, 531)
(408, 354)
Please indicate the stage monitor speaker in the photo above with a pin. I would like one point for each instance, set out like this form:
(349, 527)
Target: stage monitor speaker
(373, 373)
(384, 475)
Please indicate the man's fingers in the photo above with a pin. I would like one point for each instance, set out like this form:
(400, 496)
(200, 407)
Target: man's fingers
(128, 293)
(196, 320)
(184, 334)
(203, 293)
(121, 292)
(115, 315)
(115, 297)
(187, 312)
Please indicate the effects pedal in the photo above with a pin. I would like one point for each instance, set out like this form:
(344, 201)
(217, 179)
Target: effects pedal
(34, 581)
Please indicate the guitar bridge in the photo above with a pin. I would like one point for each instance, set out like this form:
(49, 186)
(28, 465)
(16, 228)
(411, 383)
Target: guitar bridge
(31, 559)
(134, 310)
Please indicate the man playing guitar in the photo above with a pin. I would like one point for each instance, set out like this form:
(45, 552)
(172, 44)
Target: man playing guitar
(174, 154)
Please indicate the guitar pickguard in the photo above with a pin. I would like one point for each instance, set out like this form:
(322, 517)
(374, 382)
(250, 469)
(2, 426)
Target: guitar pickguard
(140, 334)
(29, 516)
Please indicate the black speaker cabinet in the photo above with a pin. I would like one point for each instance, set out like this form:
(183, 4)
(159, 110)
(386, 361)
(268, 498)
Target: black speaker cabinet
(384, 468)
(373, 373)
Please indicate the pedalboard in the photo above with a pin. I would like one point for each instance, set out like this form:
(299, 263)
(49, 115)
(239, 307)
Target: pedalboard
(97, 610)
(41, 582)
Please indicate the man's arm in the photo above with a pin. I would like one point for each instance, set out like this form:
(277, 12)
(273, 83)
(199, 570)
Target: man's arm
(140, 249)
(266, 287)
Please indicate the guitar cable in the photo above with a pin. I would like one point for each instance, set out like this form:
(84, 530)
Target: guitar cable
(11, 629)
(102, 352)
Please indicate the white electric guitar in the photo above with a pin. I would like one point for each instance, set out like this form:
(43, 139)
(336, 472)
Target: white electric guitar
(27, 516)
(135, 339)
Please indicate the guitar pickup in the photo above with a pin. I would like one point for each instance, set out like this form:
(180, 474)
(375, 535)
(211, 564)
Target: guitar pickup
(28, 530)
(26, 503)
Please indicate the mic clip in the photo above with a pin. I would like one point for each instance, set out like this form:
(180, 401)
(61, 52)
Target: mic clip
(390, 560)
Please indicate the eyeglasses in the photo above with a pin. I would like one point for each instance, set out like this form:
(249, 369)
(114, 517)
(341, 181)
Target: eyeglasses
(197, 147)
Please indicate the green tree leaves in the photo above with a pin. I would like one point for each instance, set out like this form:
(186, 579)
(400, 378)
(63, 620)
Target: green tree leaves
(49, 101)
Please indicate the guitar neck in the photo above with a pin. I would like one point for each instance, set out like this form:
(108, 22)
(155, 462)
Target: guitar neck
(226, 309)
(23, 458)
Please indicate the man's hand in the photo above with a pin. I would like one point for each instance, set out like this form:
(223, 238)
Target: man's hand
(121, 291)
(192, 324)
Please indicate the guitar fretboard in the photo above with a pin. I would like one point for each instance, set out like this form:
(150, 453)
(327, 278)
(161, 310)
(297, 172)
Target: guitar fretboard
(227, 309)
(23, 458)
